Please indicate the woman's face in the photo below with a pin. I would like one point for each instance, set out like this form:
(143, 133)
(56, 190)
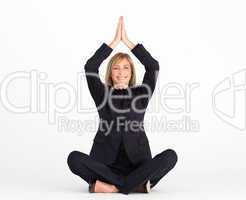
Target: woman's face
(121, 73)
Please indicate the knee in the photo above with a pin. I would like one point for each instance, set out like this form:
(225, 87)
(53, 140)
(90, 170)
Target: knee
(72, 159)
(172, 155)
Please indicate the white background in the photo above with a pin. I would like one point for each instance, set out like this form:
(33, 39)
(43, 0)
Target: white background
(194, 41)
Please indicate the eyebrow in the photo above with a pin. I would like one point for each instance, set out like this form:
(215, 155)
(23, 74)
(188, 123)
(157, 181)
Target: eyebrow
(123, 65)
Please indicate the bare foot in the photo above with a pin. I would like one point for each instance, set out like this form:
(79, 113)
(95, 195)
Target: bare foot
(103, 187)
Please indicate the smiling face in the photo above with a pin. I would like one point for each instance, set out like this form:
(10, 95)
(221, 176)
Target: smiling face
(121, 73)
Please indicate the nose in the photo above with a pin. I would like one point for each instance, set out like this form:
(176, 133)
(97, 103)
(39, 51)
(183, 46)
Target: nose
(120, 71)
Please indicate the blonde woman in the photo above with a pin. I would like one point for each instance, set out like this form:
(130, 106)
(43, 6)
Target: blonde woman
(120, 160)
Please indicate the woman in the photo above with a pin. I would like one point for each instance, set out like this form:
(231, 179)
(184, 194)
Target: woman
(120, 159)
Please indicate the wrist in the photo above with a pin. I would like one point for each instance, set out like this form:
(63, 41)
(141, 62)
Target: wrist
(129, 44)
(113, 44)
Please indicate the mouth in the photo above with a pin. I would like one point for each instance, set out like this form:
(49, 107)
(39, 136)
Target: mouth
(122, 77)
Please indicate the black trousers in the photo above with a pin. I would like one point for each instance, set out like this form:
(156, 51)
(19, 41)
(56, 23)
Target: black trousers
(122, 173)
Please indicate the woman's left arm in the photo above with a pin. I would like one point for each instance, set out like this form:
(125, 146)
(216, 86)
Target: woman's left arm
(151, 65)
(151, 70)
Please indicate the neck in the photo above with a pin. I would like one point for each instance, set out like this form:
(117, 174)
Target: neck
(120, 86)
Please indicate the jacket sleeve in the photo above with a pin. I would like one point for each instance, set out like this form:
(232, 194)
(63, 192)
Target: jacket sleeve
(151, 66)
(95, 85)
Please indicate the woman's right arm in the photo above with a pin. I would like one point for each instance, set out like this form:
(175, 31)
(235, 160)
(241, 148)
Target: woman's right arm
(95, 85)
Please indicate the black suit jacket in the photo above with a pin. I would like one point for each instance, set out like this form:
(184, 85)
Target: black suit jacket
(107, 140)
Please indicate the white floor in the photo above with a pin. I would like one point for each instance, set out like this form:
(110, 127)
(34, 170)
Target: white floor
(178, 185)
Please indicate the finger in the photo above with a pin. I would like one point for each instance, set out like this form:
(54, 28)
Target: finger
(119, 23)
(119, 27)
(122, 20)
(123, 24)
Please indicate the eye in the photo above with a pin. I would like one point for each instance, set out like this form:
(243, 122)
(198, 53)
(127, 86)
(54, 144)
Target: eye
(115, 67)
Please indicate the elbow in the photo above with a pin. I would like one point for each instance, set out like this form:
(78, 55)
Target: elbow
(88, 66)
(156, 65)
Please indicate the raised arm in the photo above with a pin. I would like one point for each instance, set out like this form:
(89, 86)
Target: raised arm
(96, 86)
(151, 65)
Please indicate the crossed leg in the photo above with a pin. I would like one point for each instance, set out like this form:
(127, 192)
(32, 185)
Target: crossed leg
(152, 170)
(90, 170)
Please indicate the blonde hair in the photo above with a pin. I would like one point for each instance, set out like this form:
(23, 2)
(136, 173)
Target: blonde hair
(118, 57)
